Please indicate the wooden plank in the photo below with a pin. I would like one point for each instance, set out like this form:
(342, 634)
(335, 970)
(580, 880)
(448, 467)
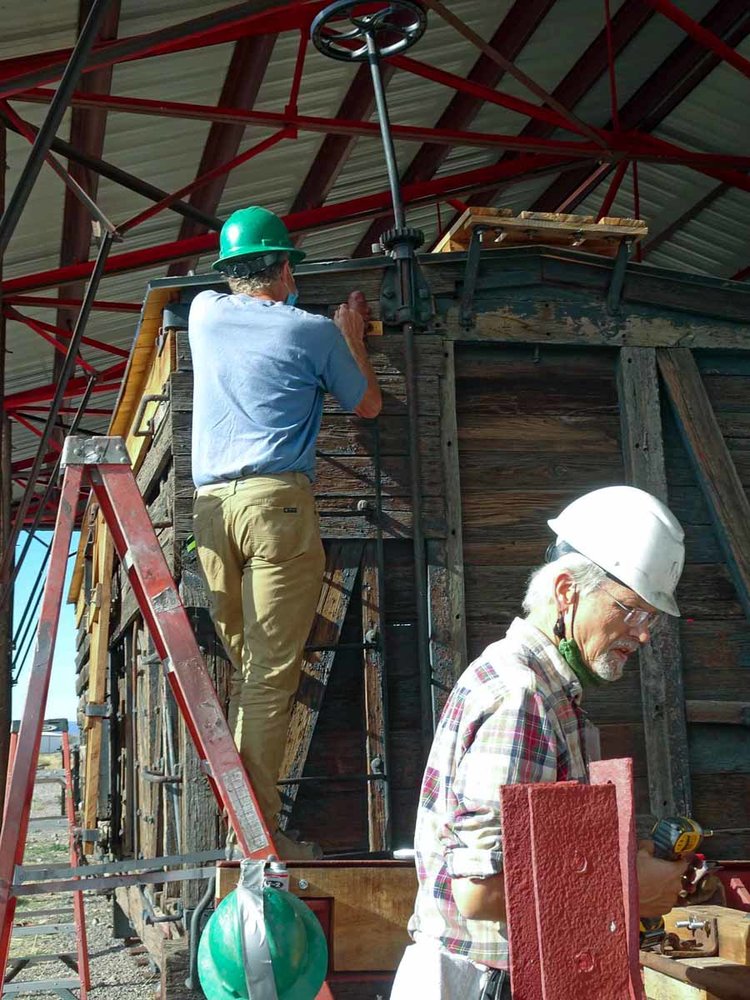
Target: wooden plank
(376, 732)
(543, 319)
(454, 555)
(446, 627)
(694, 978)
(550, 228)
(659, 986)
(662, 693)
(712, 462)
(342, 567)
(372, 906)
(731, 713)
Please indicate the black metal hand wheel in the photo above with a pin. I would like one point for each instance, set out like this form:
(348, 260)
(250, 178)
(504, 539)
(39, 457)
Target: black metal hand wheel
(341, 29)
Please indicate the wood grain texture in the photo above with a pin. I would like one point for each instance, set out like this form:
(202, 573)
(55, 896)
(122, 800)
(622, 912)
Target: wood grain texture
(712, 463)
(376, 725)
(662, 692)
(342, 567)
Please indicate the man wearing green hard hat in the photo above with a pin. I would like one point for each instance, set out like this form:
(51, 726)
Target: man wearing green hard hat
(261, 368)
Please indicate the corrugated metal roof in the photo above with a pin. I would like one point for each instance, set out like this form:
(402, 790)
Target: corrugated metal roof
(166, 151)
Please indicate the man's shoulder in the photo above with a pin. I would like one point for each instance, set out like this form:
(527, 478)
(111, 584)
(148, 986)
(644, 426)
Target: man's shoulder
(504, 671)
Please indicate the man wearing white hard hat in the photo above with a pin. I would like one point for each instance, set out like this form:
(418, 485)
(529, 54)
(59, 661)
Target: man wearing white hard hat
(515, 716)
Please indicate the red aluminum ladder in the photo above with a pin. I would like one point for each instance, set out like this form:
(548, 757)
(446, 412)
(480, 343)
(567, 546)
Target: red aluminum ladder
(103, 464)
(79, 964)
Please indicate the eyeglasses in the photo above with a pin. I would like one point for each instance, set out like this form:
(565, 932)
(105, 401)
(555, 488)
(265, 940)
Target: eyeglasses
(635, 617)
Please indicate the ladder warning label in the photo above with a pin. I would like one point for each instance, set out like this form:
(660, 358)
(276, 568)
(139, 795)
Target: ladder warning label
(235, 785)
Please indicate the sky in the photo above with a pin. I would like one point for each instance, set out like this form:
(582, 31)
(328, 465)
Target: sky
(62, 701)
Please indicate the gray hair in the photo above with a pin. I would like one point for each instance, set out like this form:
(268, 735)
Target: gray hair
(260, 281)
(539, 591)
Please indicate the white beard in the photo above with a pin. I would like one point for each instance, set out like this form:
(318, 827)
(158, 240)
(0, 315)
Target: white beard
(608, 666)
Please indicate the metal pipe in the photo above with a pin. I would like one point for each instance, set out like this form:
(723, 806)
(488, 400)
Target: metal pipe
(39, 513)
(404, 251)
(192, 981)
(385, 132)
(67, 371)
(51, 123)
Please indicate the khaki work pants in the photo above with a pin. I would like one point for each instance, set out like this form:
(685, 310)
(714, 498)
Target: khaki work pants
(259, 546)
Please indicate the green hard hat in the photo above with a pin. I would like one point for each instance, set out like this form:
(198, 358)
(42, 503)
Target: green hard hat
(296, 943)
(254, 232)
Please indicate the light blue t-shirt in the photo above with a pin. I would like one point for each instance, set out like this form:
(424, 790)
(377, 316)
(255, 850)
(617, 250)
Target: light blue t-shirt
(260, 371)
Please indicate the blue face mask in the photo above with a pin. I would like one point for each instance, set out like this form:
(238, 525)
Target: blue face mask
(291, 299)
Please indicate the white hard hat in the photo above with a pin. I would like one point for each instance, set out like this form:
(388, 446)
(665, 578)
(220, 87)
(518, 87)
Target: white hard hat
(633, 536)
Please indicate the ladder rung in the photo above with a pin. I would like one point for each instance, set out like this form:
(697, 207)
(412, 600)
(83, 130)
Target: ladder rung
(41, 986)
(38, 930)
(42, 959)
(27, 914)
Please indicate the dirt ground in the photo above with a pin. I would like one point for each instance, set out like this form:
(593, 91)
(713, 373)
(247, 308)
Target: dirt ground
(114, 973)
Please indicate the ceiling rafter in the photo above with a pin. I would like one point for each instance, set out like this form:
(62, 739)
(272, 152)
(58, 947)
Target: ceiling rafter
(335, 150)
(670, 83)
(254, 17)
(364, 207)
(695, 209)
(245, 75)
(87, 131)
(586, 72)
(516, 28)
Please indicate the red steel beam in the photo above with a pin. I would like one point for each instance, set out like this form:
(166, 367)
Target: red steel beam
(243, 80)
(486, 94)
(39, 329)
(358, 103)
(587, 71)
(49, 302)
(308, 123)
(514, 31)
(682, 71)
(221, 170)
(507, 65)
(741, 275)
(254, 17)
(58, 332)
(702, 35)
(108, 380)
(327, 215)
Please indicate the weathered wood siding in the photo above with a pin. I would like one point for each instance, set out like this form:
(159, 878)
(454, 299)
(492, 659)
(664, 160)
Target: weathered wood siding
(539, 425)
(715, 631)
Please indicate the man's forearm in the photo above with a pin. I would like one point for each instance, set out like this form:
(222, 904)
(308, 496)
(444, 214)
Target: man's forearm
(480, 898)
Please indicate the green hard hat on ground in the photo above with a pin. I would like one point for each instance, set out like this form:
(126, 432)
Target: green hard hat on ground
(296, 942)
(253, 232)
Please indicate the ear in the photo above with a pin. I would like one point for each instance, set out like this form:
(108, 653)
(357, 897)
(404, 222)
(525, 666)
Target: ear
(566, 591)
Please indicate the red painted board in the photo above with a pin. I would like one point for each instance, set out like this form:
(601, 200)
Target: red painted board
(578, 890)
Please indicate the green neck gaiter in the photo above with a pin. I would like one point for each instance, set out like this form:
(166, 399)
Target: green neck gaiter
(572, 655)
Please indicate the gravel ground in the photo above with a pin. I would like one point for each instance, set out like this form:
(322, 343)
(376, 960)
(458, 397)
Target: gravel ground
(114, 973)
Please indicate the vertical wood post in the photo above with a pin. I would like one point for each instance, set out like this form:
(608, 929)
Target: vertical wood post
(449, 569)
(662, 694)
(714, 469)
(376, 714)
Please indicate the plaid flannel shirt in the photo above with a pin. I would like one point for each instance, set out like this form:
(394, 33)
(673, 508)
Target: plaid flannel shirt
(512, 717)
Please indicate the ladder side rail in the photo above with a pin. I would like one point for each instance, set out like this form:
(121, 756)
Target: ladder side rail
(9, 770)
(139, 550)
(16, 819)
(79, 914)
